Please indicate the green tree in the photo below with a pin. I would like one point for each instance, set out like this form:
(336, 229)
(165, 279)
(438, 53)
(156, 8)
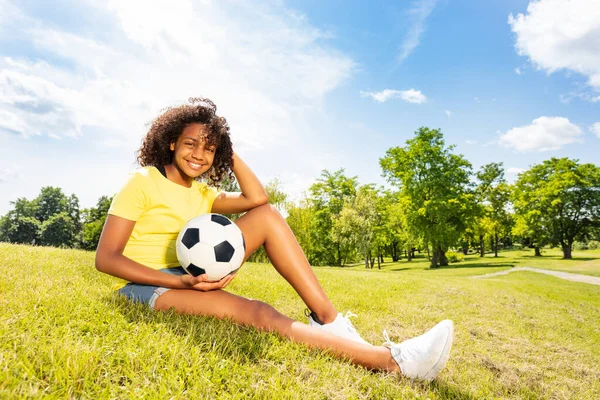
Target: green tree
(328, 196)
(493, 193)
(436, 183)
(356, 223)
(20, 229)
(560, 200)
(302, 221)
(19, 225)
(58, 231)
(277, 197)
(51, 201)
(93, 224)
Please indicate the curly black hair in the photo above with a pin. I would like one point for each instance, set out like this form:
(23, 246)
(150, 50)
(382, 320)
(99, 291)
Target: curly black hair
(167, 127)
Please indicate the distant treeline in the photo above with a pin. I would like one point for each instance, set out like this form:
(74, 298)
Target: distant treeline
(437, 204)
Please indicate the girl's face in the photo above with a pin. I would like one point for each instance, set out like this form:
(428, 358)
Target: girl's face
(192, 156)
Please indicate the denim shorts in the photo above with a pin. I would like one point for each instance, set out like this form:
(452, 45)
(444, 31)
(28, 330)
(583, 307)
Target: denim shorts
(147, 294)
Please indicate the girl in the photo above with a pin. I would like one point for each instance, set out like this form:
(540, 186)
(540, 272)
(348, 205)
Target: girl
(138, 245)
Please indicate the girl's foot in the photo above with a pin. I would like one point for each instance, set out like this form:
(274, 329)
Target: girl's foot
(423, 356)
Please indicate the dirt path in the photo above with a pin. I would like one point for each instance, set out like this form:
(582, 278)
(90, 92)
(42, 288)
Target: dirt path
(563, 275)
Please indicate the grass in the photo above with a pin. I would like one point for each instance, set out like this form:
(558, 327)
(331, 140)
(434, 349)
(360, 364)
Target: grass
(64, 334)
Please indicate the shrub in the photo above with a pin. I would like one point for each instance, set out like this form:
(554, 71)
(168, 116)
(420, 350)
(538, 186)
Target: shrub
(454, 256)
(580, 245)
(517, 246)
(593, 245)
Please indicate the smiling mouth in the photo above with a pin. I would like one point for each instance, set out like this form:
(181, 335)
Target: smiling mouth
(195, 166)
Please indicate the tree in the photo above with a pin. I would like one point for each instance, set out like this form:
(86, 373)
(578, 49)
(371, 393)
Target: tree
(493, 193)
(58, 231)
(436, 183)
(277, 197)
(559, 201)
(302, 221)
(356, 223)
(51, 201)
(393, 230)
(328, 196)
(93, 224)
(20, 229)
(19, 225)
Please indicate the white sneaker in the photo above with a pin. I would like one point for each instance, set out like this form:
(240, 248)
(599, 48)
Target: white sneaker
(340, 326)
(423, 356)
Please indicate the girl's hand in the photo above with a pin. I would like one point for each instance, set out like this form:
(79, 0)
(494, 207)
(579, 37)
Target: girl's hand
(202, 283)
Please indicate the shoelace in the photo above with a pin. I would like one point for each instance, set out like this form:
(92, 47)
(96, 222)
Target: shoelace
(349, 314)
(388, 342)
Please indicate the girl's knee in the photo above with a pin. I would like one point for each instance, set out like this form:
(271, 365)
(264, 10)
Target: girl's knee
(264, 316)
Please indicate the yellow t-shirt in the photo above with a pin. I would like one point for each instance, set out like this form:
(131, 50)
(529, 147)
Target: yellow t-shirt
(160, 208)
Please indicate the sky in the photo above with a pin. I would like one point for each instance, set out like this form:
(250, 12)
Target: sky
(305, 85)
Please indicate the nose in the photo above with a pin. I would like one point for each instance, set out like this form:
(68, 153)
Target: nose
(198, 153)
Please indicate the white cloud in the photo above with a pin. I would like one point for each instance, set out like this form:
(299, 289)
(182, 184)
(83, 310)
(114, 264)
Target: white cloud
(518, 71)
(448, 113)
(10, 173)
(417, 14)
(543, 134)
(559, 34)
(410, 96)
(477, 99)
(595, 128)
(471, 142)
(266, 67)
(515, 170)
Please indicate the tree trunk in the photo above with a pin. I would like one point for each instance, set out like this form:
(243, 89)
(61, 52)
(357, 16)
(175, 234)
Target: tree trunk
(566, 248)
(495, 245)
(537, 251)
(395, 254)
(379, 261)
(481, 246)
(443, 258)
(435, 255)
(408, 255)
(465, 248)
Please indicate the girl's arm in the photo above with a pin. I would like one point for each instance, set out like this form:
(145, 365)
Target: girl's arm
(110, 260)
(252, 191)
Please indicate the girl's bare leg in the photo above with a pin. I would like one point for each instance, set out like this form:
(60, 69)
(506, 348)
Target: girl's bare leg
(262, 316)
(265, 226)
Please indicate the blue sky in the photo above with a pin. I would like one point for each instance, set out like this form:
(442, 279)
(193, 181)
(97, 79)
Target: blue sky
(305, 85)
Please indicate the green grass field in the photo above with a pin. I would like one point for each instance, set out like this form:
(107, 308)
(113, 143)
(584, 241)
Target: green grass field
(64, 334)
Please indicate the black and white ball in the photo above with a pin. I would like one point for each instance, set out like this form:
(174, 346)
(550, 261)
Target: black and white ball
(210, 244)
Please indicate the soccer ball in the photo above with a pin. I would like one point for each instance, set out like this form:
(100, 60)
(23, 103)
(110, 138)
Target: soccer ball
(210, 244)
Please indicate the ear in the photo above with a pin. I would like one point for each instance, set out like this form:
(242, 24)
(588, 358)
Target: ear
(172, 146)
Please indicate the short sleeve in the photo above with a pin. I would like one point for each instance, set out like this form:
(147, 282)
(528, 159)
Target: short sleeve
(209, 195)
(130, 202)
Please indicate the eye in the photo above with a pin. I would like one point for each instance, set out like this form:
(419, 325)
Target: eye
(211, 149)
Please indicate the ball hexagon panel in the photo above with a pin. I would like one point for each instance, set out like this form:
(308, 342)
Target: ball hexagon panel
(237, 259)
(234, 236)
(212, 233)
(183, 255)
(202, 254)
